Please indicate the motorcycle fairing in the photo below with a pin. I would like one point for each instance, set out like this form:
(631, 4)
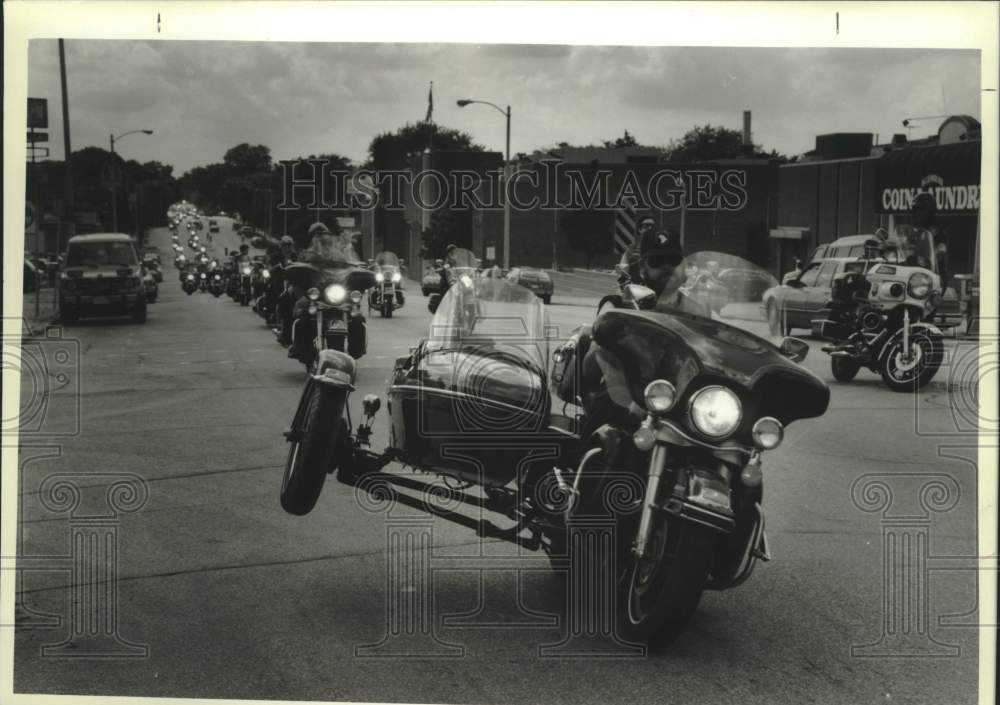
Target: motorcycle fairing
(684, 349)
(307, 276)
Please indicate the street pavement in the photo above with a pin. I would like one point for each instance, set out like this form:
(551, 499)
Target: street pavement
(234, 598)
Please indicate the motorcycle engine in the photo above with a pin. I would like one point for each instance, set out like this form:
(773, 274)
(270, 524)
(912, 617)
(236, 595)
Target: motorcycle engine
(871, 320)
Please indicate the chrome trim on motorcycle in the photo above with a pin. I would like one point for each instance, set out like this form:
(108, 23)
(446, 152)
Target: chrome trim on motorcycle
(657, 464)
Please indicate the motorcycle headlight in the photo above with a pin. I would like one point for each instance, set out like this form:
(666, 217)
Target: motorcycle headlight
(266, 274)
(379, 277)
(920, 285)
(715, 411)
(397, 277)
(202, 275)
(466, 281)
(768, 433)
(217, 277)
(190, 277)
(660, 396)
(313, 294)
(335, 293)
(247, 270)
(356, 296)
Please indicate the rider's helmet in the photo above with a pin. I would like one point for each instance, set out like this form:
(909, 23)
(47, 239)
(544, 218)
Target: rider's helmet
(659, 254)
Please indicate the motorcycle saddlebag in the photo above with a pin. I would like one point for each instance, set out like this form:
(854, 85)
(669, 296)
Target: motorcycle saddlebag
(827, 327)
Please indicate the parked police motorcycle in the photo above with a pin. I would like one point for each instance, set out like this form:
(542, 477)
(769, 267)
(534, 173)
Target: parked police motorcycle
(880, 319)
(329, 319)
(387, 294)
(677, 411)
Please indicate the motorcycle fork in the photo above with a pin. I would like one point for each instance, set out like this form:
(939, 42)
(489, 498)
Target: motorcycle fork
(906, 333)
(657, 465)
(320, 338)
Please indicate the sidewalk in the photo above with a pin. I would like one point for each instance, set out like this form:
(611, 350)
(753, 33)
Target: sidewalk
(37, 314)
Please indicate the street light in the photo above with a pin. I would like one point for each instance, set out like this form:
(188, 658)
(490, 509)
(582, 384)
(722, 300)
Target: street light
(506, 201)
(114, 191)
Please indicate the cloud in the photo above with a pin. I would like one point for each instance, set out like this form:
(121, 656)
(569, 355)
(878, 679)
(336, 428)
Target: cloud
(305, 98)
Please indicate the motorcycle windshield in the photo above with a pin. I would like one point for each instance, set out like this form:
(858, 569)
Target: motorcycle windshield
(912, 247)
(492, 317)
(387, 259)
(710, 326)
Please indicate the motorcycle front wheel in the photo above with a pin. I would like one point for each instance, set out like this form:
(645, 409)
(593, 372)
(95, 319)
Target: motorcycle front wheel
(911, 373)
(310, 453)
(662, 590)
(844, 369)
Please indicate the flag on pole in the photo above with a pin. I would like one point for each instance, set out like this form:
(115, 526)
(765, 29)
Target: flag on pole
(625, 226)
(430, 103)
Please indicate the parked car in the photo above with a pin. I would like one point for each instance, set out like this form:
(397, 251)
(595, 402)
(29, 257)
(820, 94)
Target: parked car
(537, 280)
(797, 301)
(102, 275)
(851, 246)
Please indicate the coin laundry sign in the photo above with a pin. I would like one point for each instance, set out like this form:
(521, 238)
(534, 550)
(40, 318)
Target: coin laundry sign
(948, 172)
(947, 198)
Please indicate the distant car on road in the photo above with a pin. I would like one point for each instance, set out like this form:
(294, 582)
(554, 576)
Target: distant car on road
(537, 280)
(213, 226)
(796, 302)
(102, 276)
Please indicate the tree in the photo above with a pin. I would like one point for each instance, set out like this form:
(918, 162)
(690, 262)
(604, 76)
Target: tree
(588, 231)
(391, 149)
(625, 140)
(244, 159)
(448, 227)
(706, 143)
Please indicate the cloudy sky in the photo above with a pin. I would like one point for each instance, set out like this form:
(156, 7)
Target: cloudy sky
(201, 98)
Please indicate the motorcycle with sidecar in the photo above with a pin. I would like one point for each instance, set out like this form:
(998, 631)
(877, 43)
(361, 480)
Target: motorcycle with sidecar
(669, 416)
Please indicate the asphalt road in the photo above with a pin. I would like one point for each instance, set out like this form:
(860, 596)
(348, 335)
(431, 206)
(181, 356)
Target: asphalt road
(234, 598)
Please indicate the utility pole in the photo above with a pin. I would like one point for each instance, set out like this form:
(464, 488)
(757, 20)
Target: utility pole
(69, 208)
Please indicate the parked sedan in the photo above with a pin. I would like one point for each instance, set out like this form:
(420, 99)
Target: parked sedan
(796, 302)
(537, 280)
(745, 285)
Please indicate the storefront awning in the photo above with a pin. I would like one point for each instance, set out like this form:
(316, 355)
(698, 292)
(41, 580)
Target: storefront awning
(949, 171)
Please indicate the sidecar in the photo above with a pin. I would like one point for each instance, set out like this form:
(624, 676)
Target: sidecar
(471, 400)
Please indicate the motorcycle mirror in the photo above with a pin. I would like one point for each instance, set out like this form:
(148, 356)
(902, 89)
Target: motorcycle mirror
(641, 294)
(794, 349)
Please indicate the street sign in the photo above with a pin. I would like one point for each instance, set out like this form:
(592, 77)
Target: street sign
(38, 112)
(38, 137)
(345, 222)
